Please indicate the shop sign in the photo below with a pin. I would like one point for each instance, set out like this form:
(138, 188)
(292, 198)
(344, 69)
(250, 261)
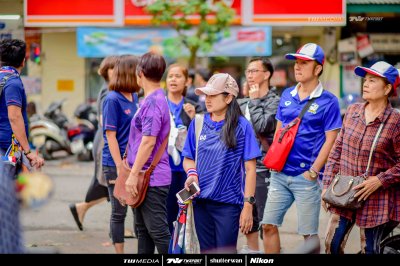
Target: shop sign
(385, 43)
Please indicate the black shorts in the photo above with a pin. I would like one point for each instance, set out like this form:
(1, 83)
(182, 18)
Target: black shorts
(262, 185)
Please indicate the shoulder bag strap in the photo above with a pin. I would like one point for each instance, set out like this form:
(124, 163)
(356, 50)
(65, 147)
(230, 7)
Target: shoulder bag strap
(199, 120)
(296, 120)
(303, 112)
(373, 147)
(158, 155)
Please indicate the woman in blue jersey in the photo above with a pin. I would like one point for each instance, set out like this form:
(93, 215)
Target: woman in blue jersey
(225, 169)
(182, 112)
(119, 107)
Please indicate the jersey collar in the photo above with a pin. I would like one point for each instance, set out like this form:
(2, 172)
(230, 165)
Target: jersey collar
(317, 92)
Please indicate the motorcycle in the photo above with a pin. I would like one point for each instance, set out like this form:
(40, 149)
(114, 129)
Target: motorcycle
(82, 135)
(48, 133)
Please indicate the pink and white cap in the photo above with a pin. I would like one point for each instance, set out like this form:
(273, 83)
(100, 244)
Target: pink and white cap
(309, 51)
(219, 83)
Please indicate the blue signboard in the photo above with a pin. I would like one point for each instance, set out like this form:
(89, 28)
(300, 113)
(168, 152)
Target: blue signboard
(101, 42)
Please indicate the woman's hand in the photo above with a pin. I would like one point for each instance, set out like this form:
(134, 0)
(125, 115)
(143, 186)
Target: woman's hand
(367, 187)
(246, 218)
(131, 184)
(190, 180)
(323, 203)
(189, 110)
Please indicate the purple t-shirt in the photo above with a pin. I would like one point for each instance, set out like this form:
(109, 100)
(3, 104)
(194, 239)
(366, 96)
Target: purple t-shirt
(152, 119)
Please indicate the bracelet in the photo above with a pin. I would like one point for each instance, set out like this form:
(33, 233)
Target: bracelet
(27, 152)
(192, 171)
(319, 173)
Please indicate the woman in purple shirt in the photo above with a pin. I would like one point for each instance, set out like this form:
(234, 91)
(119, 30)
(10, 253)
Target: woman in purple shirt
(149, 128)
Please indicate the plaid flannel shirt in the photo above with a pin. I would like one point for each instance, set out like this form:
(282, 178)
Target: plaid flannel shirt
(350, 154)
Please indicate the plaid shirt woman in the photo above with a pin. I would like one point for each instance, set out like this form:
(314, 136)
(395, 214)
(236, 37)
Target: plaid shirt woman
(349, 156)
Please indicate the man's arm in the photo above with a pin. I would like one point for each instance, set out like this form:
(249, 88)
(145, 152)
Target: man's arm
(18, 125)
(263, 115)
(18, 128)
(325, 150)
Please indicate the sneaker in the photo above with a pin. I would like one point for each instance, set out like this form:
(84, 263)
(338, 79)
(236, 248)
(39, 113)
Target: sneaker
(246, 250)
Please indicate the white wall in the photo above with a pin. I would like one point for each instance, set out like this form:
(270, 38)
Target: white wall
(60, 62)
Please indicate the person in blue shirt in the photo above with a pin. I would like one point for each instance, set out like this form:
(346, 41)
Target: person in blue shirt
(225, 168)
(298, 181)
(182, 112)
(13, 120)
(119, 107)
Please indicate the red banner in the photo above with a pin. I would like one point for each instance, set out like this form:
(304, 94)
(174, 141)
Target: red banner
(135, 12)
(294, 12)
(131, 12)
(73, 12)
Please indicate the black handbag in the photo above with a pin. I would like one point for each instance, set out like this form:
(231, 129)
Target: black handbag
(340, 192)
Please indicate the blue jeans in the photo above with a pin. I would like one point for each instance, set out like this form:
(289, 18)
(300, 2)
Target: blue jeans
(340, 228)
(118, 212)
(283, 191)
(10, 228)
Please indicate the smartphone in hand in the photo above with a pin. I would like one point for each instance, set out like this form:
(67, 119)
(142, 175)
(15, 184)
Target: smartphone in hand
(184, 195)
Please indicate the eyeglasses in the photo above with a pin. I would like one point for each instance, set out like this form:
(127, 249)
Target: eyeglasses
(253, 71)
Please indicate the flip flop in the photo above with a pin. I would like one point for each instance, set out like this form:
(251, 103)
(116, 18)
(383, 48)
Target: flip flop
(74, 212)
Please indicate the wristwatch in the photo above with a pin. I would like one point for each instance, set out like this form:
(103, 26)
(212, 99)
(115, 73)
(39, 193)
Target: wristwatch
(27, 152)
(250, 200)
(313, 174)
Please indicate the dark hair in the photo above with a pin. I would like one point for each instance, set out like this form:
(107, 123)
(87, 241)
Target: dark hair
(124, 76)
(322, 68)
(267, 65)
(105, 65)
(12, 52)
(204, 73)
(231, 122)
(191, 73)
(388, 83)
(152, 66)
(184, 72)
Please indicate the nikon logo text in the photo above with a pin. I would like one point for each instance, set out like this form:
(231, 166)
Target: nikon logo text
(261, 260)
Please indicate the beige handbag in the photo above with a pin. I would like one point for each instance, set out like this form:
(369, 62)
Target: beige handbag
(340, 192)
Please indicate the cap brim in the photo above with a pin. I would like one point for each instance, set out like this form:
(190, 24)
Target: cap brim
(362, 71)
(206, 91)
(299, 56)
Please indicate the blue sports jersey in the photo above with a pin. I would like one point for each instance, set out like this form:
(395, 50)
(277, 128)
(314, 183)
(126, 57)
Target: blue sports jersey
(117, 115)
(322, 116)
(13, 94)
(221, 170)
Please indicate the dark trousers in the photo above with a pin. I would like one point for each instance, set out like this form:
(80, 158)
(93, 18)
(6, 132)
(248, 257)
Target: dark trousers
(177, 183)
(151, 222)
(217, 225)
(96, 190)
(118, 212)
(371, 236)
(262, 185)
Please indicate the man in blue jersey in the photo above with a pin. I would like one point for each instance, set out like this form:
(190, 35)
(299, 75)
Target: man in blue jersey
(298, 181)
(13, 120)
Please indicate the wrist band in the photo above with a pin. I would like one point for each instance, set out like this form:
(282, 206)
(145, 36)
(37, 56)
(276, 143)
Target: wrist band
(192, 171)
